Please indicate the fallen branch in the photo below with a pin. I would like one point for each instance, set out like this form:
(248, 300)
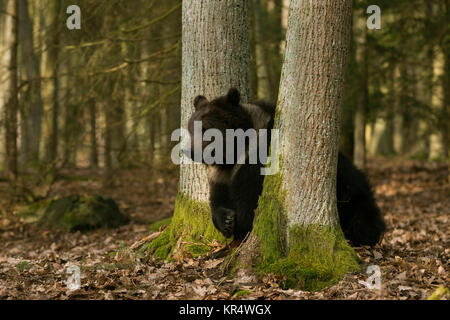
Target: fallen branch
(144, 240)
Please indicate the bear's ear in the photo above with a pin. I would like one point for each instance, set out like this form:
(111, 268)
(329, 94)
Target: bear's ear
(233, 96)
(199, 101)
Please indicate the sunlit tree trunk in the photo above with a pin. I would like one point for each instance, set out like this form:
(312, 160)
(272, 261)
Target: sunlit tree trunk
(215, 57)
(398, 108)
(50, 86)
(446, 86)
(4, 62)
(436, 137)
(359, 144)
(263, 90)
(284, 21)
(93, 153)
(296, 230)
(10, 100)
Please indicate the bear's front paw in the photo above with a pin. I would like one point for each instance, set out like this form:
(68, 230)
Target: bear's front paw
(229, 224)
(223, 219)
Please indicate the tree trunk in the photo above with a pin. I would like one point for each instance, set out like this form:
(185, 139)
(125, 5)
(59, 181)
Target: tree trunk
(436, 137)
(263, 91)
(395, 91)
(213, 60)
(445, 88)
(11, 95)
(51, 83)
(284, 22)
(359, 142)
(31, 117)
(93, 154)
(296, 230)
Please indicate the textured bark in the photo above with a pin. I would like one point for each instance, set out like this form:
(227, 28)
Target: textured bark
(215, 57)
(309, 106)
(296, 231)
(11, 95)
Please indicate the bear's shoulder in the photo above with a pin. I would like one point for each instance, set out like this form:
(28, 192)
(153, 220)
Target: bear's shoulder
(262, 113)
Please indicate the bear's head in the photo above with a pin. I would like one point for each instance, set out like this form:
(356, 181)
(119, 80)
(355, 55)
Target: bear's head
(222, 113)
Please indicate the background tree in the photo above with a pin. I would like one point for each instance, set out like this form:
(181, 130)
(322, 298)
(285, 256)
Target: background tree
(11, 99)
(296, 234)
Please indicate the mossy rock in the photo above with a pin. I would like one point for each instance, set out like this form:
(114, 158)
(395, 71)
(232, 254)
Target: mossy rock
(75, 212)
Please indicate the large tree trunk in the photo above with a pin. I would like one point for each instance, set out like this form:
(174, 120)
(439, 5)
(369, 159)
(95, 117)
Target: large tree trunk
(11, 94)
(296, 231)
(215, 57)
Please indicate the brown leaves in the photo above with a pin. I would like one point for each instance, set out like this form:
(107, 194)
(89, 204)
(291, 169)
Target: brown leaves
(413, 257)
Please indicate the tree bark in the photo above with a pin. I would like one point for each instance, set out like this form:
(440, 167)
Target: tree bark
(51, 83)
(296, 231)
(359, 143)
(215, 57)
(263, 91)
(93, 153)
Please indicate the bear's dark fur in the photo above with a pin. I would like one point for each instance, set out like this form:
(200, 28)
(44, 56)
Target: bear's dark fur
(235, 188)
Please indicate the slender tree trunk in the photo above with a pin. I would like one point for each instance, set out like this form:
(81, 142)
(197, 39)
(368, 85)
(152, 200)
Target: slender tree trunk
(215, 57)
(359, 142)
(11, 95)
(5, 31)
(31, 116)
(263, 90)
(446, 86)
(284, 22)
(398, 109)
(93, 154)
(436, 137)
(296, 231)
(51, 83)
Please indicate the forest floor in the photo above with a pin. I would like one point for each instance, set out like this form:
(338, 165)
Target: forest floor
(413, 257)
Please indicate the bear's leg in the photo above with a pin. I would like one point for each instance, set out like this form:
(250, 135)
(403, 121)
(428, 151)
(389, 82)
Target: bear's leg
(246, 189)
(222, 209)
(361, 221)
(224, 220)
(359, 215)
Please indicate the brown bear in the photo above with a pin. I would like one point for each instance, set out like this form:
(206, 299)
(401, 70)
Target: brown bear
(235, 187)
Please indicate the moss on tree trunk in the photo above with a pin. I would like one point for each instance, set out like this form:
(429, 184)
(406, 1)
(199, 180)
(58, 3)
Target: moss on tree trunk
(309, 257)
(191, 231)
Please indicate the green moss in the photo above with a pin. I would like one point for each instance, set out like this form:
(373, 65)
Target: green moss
(77, 212)
(21, 266)
(33, 212)
(318, 256)
(242, 293)
(158, 224)
(190, 231)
